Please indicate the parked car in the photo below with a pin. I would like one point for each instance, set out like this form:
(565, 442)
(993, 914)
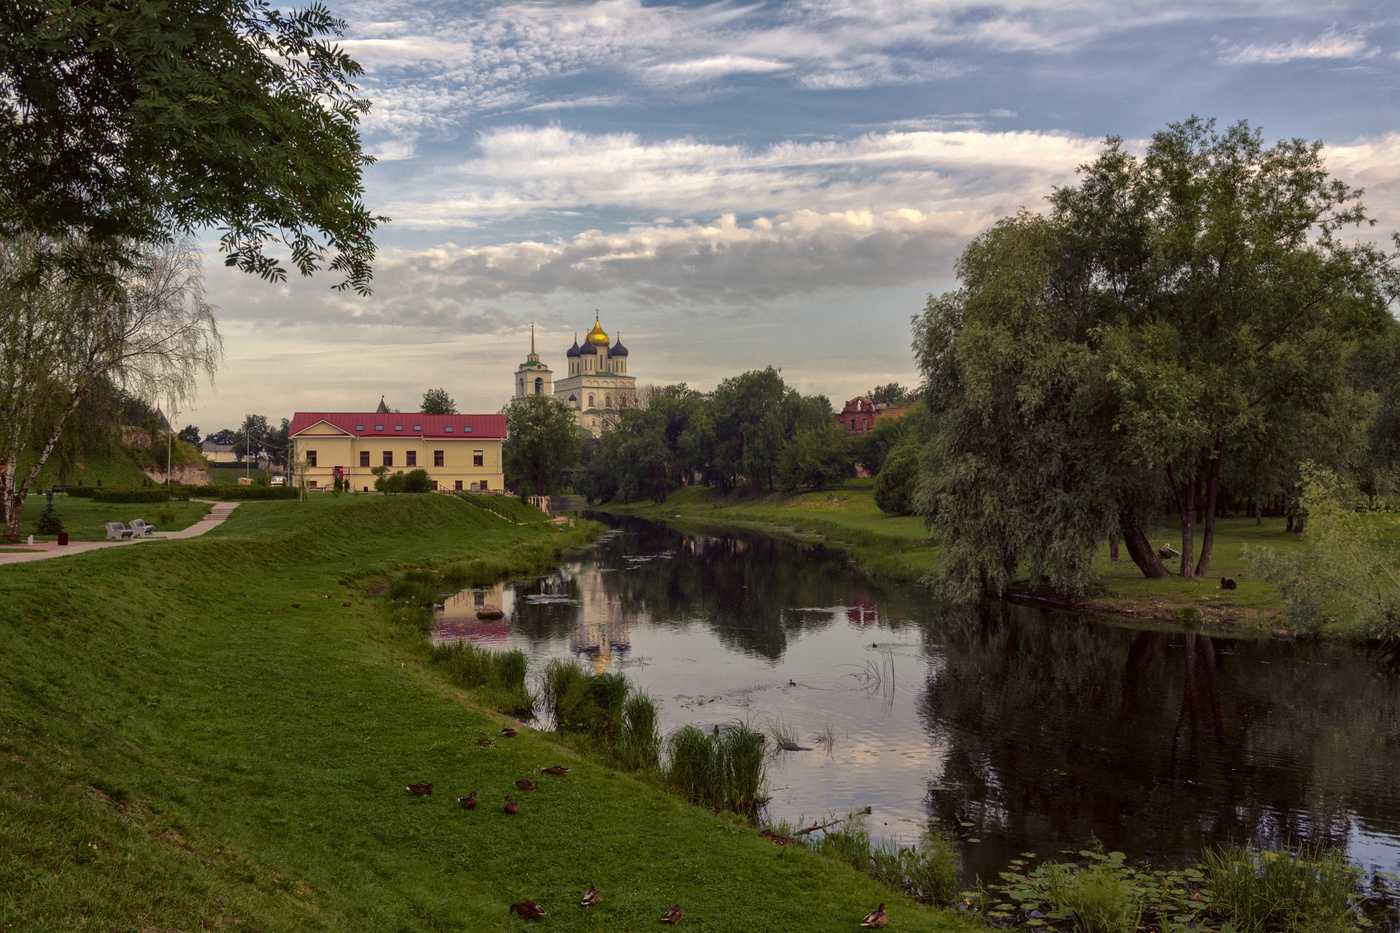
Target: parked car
(278, 481)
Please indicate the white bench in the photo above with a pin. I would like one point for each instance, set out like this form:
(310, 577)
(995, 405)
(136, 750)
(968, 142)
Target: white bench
(139, 528)
(118, 530)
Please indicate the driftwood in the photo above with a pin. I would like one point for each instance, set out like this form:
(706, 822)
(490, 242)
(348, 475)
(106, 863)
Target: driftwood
(1167, 552)
(816, 826)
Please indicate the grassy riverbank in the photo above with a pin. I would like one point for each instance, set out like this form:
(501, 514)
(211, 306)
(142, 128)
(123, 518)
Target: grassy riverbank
(193, 736)
(899, 548)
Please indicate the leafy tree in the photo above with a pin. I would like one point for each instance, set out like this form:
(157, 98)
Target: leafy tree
(542, 441)
(815, 457)
(63, 341)
(417, 481)
(249, 438)
(223, 438)
(121, 123)
(894, 486)
(1172, 314)
(892, 394)
(438, 402)
(189, 434)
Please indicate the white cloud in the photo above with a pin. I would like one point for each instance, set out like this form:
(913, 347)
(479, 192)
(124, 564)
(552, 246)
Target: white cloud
(1329, 45)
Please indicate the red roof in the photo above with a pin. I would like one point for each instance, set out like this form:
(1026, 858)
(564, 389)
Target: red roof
(378, 424)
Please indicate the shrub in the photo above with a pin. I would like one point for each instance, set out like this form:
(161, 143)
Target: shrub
(132, 494)
(82, 492)
(165, 516)
(931, 873)
(238, 492)
(498, 676)
(894, 487)
(1098, 900)
(723, 770)
(417, 481)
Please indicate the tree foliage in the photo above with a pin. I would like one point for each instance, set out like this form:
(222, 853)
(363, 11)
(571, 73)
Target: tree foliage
(62, 338)
(121, 123)
(1173, 314)
(438, 402)
(815, 457)
(542, 441)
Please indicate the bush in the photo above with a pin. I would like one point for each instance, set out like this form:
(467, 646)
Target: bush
(894, 487)
(81, 492)
(723, 770)
(132, 494)
(417, 481)
(498, 676)
(237, 492)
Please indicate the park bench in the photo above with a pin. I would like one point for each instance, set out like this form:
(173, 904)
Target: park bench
(140, 528)
(118, 530)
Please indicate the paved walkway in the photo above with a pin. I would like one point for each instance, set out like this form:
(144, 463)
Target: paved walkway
(215, 516)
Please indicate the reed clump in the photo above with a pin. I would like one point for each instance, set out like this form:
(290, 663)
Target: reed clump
(724, 770)
(931, 873)
(617, 720)
(1097, 900)
(1309, 891)
(498, 677)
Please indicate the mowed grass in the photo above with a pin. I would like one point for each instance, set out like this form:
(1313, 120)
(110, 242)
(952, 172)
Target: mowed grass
(193, 737)
(85, 520)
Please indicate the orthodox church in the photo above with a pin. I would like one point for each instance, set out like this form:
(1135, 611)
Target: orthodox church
(597, 386)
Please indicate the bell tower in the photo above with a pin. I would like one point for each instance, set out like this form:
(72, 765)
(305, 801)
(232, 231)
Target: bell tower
(533, 377)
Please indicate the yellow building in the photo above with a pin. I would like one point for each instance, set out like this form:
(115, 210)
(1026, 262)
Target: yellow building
(458, 451)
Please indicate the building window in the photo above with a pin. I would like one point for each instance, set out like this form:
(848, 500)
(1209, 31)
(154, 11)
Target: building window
(448, 429)
(379, 427)
(484, 486)
(311, 484)
(410, 458)
(539, 386)
(398, 427)
(417, 427)
(311, 458)
(590, 401)
(458, 486)
(388, 458)
(437, 458)
(467, 429)
(607, 401)
(359, 427)
(364, 458)
(478, 458)
(433, 485)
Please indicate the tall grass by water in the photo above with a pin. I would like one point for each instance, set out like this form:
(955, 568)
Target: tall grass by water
(1282, 892)
(930, 873)
(498, 677)
(722, 770)
(605, 709)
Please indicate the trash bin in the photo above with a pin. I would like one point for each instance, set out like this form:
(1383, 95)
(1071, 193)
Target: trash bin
(63, 537)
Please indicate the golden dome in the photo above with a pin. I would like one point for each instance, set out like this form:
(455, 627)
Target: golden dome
(596, 336)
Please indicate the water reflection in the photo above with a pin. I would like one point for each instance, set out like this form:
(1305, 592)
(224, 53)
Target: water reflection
(1043, 732)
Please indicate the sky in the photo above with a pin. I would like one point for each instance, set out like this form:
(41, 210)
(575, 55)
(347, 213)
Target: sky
(737, 185)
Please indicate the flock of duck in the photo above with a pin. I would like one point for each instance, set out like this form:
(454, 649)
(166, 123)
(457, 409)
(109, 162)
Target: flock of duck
(529, 910)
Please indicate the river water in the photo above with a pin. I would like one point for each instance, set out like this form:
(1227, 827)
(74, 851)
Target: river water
(1014, 729)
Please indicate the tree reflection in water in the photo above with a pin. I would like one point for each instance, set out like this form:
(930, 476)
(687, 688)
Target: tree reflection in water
(1060, 730)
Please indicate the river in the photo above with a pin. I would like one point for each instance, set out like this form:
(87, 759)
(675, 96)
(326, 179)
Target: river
(1014, 729)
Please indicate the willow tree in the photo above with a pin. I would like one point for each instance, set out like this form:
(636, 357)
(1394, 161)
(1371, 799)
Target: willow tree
(63, 337)
(1171, 312)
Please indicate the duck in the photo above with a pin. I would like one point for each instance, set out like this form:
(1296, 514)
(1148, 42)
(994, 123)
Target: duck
(590, 897)
(555, 770)
(673, 915)
(484, 741)
(420, 790)
(876, 918)
(510, 732)
(468, 802)
(526, 785)
(511, 806)
(527, 909)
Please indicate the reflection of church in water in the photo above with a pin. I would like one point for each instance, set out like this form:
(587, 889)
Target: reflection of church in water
(603, 634)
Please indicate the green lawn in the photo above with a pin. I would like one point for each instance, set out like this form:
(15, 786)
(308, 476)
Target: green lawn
(193, 736)
(85, 520)
(110, 468)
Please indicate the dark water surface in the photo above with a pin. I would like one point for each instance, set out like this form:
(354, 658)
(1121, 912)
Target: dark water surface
(1020, 731)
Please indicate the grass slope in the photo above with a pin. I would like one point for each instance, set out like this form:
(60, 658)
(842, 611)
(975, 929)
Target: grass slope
(85, 520)
(183, 748)
(113, 467)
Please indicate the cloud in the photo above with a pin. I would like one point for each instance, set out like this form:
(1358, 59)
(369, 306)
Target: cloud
(523, 171)
(1329, 45)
